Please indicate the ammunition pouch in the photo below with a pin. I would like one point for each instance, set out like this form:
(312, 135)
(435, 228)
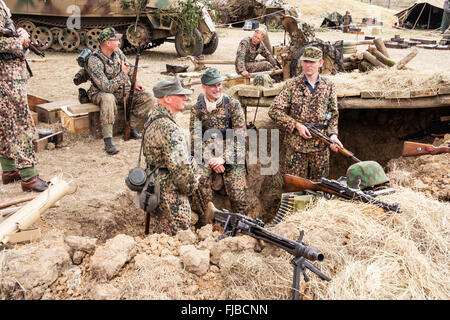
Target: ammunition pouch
(149, 197)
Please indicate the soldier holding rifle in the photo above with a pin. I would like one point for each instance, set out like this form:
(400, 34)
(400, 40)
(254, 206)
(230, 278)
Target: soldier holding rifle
(17, 156)
(308, 98)
(109, 70)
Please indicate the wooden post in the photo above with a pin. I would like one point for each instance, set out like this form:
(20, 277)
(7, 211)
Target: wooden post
(420, 14)
(30, 212)
(369, 57)
(401, 64)
(379, 44)
(381, 57)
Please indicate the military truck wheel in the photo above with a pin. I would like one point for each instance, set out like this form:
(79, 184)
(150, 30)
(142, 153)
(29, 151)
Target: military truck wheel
(189, 45)
(211, 47)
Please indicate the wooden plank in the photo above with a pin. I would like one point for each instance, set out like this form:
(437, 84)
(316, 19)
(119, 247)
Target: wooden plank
(41, 144)
(271, 91)
(34, 115)
(83, 109)
(444, 90)
(33, 101)
(48, 112)
(250, 92)
(25, 235)
(417, 103)
(56, 105)
(349, 94)
(397, 94)
(423, 93)
(372, 94)
(424, 41)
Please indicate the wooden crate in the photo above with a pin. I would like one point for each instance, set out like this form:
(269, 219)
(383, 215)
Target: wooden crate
(34, 115)
(74, 122)
(49, 112)
(33, 101)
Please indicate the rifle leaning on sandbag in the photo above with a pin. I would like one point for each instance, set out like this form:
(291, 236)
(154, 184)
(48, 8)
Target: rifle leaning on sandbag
(295, 184)
(411, 149)
(235, 222)
(319, 136)
(130, 99)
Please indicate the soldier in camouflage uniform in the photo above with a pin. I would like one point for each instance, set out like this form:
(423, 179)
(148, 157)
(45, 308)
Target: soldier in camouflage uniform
(110, 70)
(249, 48)
(165, 146)
(17, 156)
(215, 111)
(307, 98)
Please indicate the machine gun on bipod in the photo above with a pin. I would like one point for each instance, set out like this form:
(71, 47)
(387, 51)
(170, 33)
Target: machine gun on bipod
(235, 222)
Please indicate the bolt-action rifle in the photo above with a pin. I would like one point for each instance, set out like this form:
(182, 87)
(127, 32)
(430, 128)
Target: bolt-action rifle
(411, 149)
(235, 222)
(130, 99)
(319, 136)
(295, 184)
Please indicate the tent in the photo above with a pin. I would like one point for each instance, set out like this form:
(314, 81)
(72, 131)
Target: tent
(332, 20)
(422, 15)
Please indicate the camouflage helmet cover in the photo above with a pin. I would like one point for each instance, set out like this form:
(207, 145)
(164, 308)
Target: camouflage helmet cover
(109, 34)
(365, 174)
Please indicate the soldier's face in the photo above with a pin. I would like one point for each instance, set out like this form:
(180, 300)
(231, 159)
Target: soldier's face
(176, 102)
(213, 92)
(257, 38)
(113, 45)
(311, 68)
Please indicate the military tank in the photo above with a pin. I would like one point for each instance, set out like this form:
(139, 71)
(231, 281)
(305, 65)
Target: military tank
(72, 25)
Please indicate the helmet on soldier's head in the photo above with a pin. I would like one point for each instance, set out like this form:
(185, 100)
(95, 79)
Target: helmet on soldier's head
(365, 174)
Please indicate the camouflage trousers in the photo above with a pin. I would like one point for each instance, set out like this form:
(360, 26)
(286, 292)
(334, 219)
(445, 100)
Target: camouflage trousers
(172, 214)
(16, 124)
(143, 103)
(311, 165)
(252, 67)
(235, 183)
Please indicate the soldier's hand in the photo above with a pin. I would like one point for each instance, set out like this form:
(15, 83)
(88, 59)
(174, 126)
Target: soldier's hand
(24, 36)
(276, 68)
(245, 74)
(125, 67)
(138, 87)
(303, 131)
(217, 164)
(335, 139)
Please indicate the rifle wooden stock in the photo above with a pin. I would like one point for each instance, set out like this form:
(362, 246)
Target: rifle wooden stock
(130, 100)
(411, 149)
(295, 184)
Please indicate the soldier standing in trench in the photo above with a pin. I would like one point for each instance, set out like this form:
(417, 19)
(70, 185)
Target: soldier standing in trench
(307, 98)
(109, 70)
(17, 156)
(218, 112)
(249, 48)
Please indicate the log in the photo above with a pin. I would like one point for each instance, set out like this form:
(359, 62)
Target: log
(8, 211)
(13, 202)
(416, 103)
(30, 212)
(374, 61)
(401, 64)
(381, 57)
(379, 44)
(365, 66)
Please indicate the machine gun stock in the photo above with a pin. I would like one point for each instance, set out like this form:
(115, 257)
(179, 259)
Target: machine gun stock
(235, 222)
(411, 149)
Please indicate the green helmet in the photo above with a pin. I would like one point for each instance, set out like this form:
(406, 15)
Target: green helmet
(365, 174)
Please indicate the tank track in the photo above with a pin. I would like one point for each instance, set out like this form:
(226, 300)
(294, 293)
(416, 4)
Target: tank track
(120, 26)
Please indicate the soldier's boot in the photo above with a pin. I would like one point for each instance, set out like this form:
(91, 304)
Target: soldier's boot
(10, 176)
(110, 148)
(201, 221)
(134, 134)
(34, 184)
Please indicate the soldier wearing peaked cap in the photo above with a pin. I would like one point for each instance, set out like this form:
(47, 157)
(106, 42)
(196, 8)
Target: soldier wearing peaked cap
(109, 70)
(221, 161)
(307, 98)
(165, 148)
(17, 157)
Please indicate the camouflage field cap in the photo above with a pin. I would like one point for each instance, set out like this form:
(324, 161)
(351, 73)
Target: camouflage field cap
(211, 77)
(109, 34)
(170, 87)
(365, 174)
(312, 54)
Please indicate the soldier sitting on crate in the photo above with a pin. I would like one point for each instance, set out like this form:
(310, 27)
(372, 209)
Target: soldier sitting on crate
(109, 70)
(249, 49)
